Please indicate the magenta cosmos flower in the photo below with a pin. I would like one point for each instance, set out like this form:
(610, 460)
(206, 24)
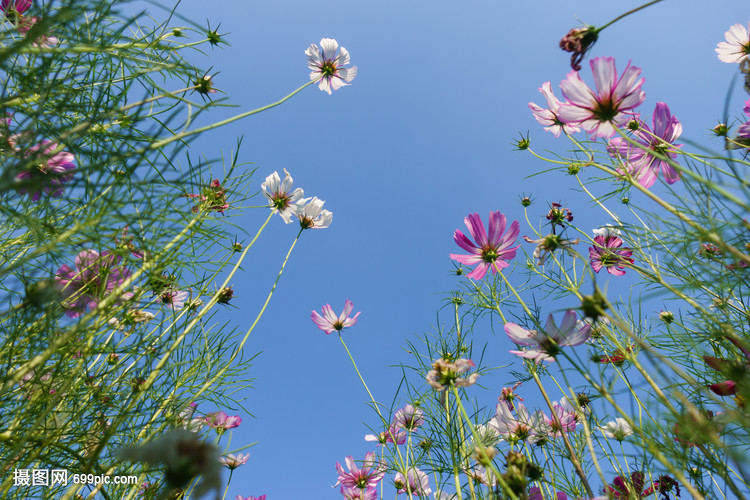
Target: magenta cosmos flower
(548, 117)
(607, 253)
(546, 344)
(94, 277)
(49, 172)
(370, 474)
(639, 163)
(744, 130)
(737, 46)
(490, 251)
(599, 112)
(18, 6)
(329, 323)
(328, 65)
(220, 421)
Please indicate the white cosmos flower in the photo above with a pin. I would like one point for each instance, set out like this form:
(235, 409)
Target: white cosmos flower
(277, 192)
(607, 231)
(617, 429)
(311, 214)
(328, 65)
(737, 46)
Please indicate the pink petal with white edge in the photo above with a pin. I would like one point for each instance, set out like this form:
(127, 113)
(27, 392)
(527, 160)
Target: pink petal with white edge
(497, 227)
(467, 260)
(519, 334)
(465, 243)
(476, 228)
(479, 272)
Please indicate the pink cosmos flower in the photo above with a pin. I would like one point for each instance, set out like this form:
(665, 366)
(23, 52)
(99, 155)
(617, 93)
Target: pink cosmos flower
(174, 298)
(548, 117)
(220, 421)
(599, 112)
(523, 426)
(607, 253)
(567, 417)
(445, 374)
(233, 461)
(94, 277)
(489, 251)
(638, 162)
(43, 40)
(328, 65)
(393, 434)
(49, 172)
(329, 323)
(415, 482)
(737, 47)
(18, 6)
(408, 418)
(280, 195)
(240, 497)
(370, 474)
(370, 493)
(548, 342)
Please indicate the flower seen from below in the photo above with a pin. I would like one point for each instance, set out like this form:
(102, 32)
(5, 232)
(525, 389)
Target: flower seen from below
(578, 42)
(618, 429)
(607, 253)
(737, 45)
(311, 214)
(233, 461)
(327, 64)
(408, 418)
(94, 277)
(524, 426)
(547, 245)
(369, 493)
(639, 161)
(744, 131)
(548, 117)
(490, 250)
(392, 435)
(546, 344)
(240, 497)
(173, 298)
(330, 323)
(280, 196)
(610, 105)
(415, 483)
(48, 172)
(370, 474)
(445, 374)
(220, 421)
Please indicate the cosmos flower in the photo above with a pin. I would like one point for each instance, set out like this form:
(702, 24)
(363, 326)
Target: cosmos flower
(548, 117)
(94, 277)
(233, 461)
(445, 374)
(311, 214)
(370, 493)
(17, 6)
(737, 47)
(618, 429)
(174, 298)
(408, 418)
(578, 42)
(607, 253)
(523, 426)
(370, 474)
(280, 196)
(49, 172)
(329, 323)
(416, 483)
(393, 434)
(220, 421)
(639, 163)
(328, 65)
(490, 251)
(744, 130)
(546, 344)
(599, 112)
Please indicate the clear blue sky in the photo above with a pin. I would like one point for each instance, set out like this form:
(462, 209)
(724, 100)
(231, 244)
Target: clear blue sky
(420, 139)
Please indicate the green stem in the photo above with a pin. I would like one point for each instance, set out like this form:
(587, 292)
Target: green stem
(633, 11)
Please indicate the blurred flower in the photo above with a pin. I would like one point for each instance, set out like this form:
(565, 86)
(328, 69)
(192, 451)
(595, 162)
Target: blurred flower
(549, 341)
(545, 246)
(279, 196)
(617, 429)
(212, 197)
(328, 65)
(42, 40)
(579, 41)
(186, 456)
(737, 47)
(519, 428)
(233, 461)
(311, 214)
(607, 253)
(329, 323)
(370, 474)
(508, 395)
(49, 172)
(618, 357)
(489, 251)
(370, 493)
(95, 276)
(240, 497)
(566, 416)
(15, 6)
(408, 418)
(744, 130)
(444, 374)
(548, 117)
(415, 483)
(220, 421)
(639, 162)
(600, 112)
(173, 298)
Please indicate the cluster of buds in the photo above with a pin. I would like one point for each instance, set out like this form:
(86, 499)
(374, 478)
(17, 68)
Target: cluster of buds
(445, 374)
(212, 197)
(709, 251)
(558, 214)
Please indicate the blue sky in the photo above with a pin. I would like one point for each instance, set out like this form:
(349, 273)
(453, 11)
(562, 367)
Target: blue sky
(421, 138)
